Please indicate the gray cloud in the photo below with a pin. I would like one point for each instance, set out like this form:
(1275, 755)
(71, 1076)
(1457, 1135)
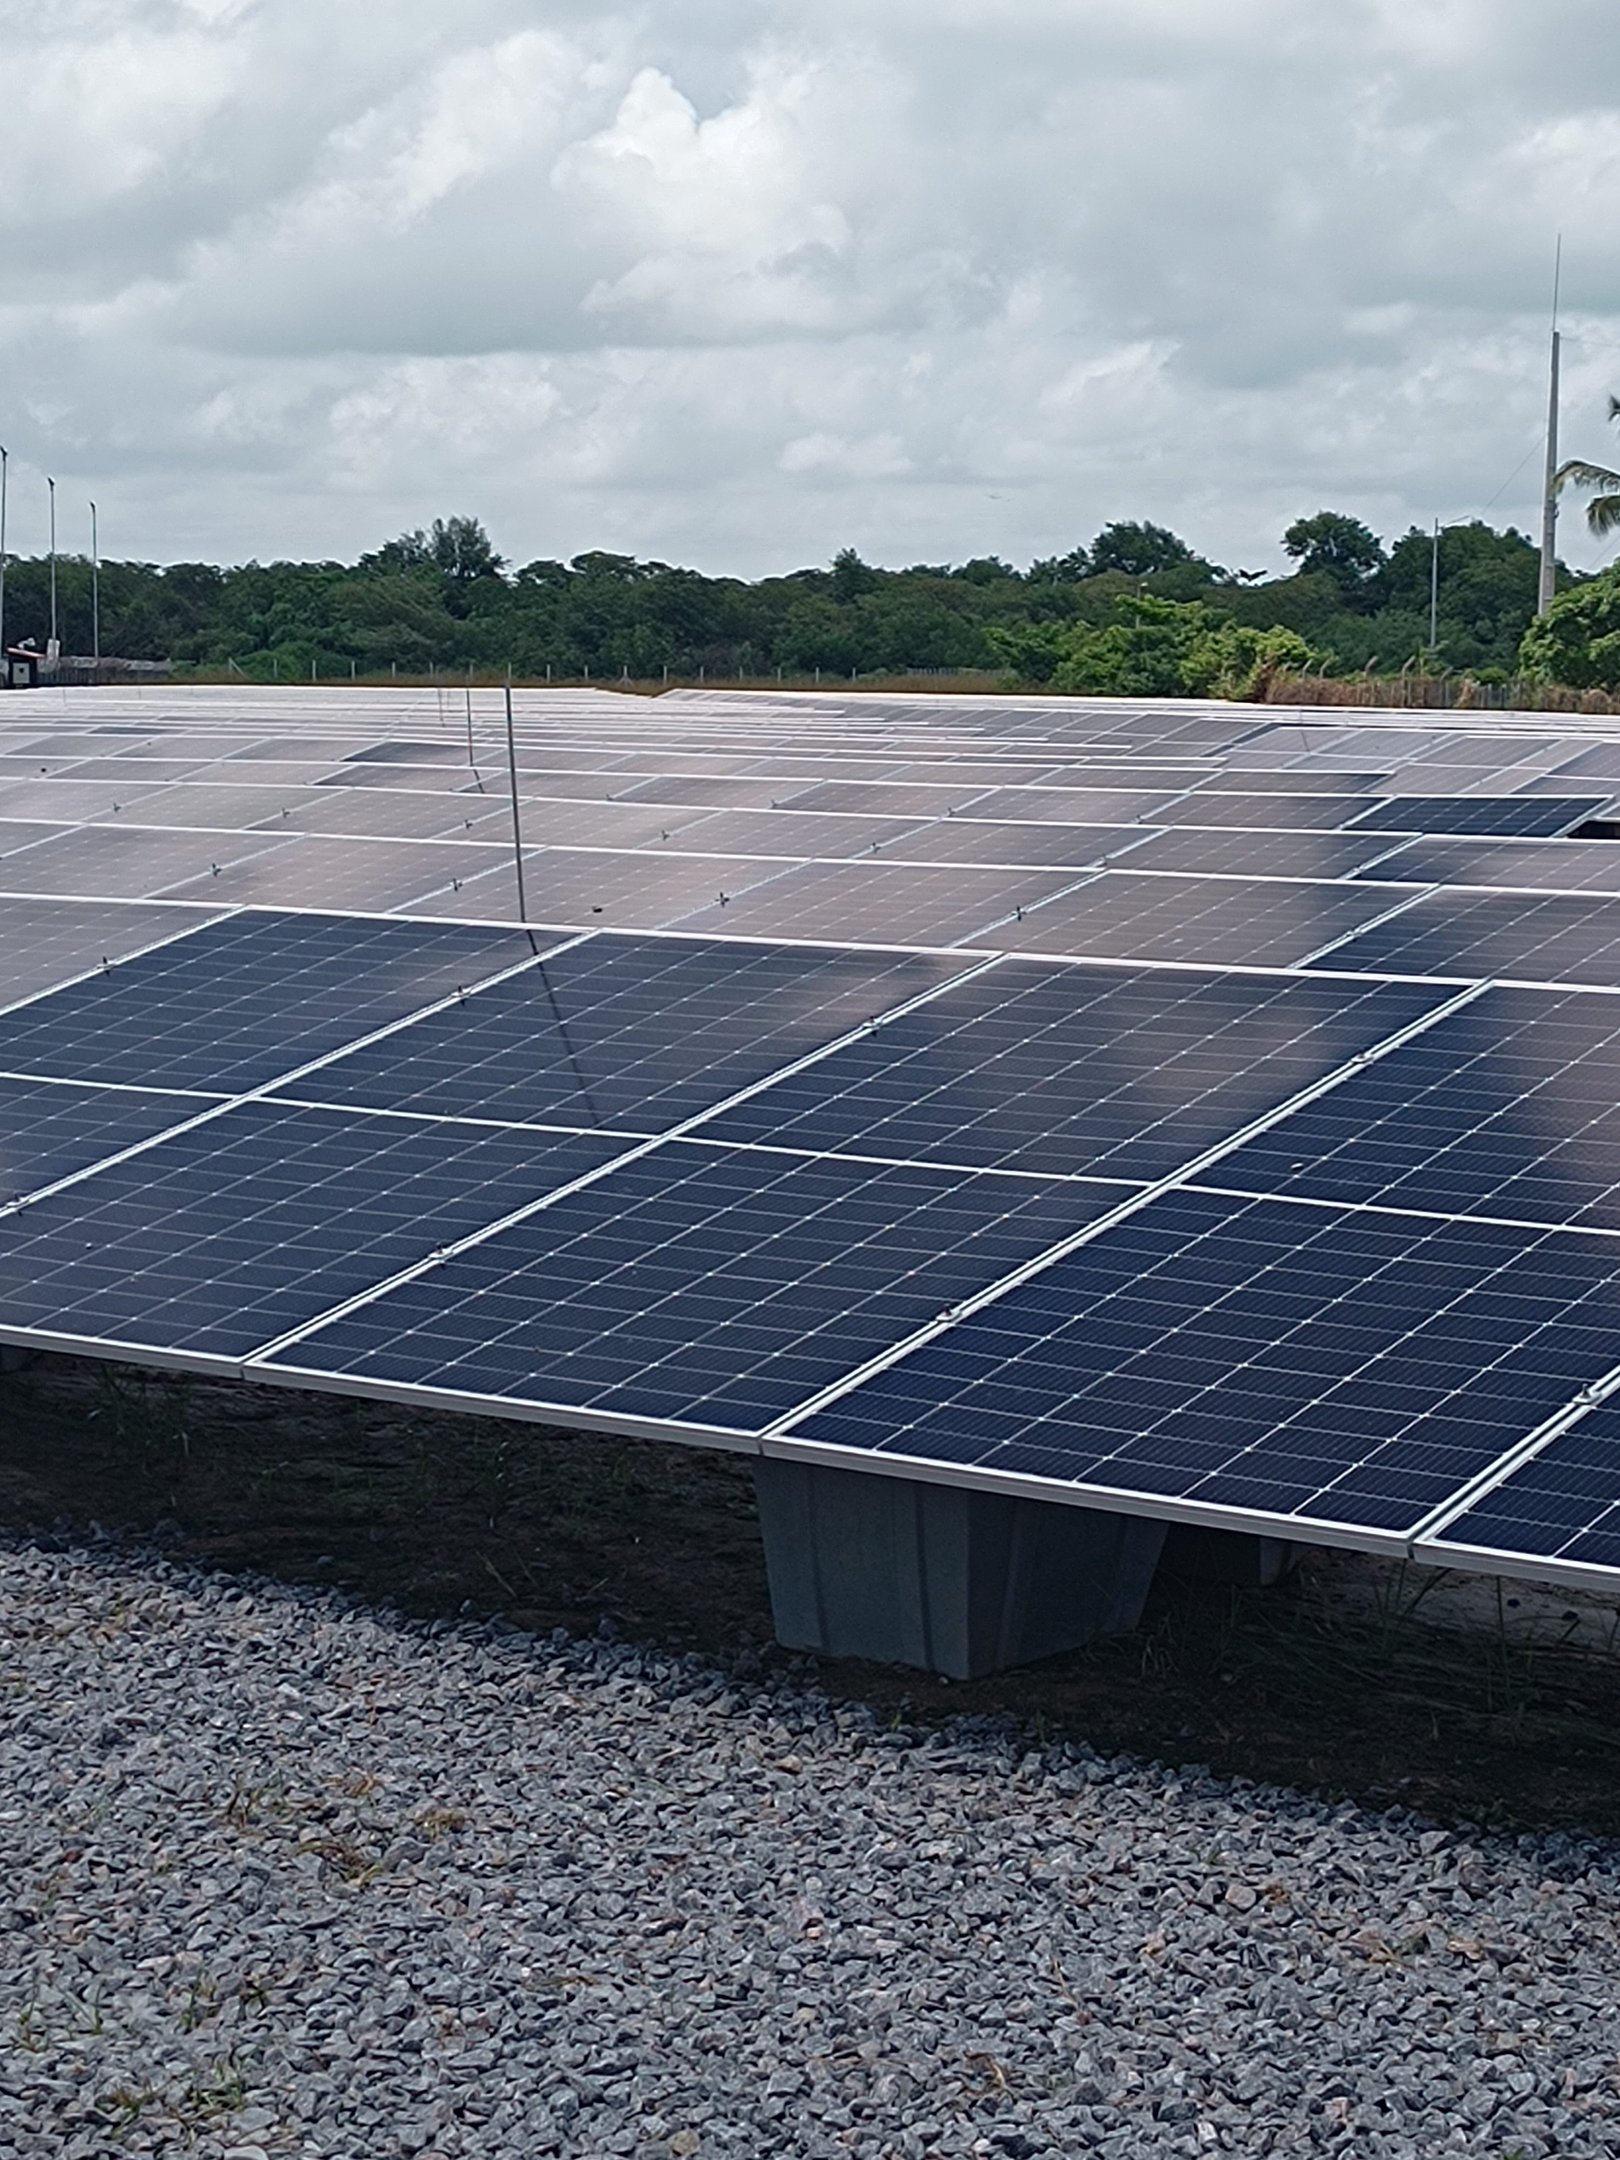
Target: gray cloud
(736, 283)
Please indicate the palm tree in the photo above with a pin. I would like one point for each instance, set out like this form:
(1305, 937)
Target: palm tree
(1603, 511)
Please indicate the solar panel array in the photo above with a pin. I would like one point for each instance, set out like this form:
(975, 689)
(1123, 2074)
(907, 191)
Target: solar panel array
(1195, 1111)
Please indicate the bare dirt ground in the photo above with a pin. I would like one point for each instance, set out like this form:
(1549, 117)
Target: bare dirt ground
(1466, 1700)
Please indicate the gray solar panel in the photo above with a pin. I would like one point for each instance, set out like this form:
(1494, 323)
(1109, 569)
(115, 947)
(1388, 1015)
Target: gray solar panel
(1112, 1072)
(1223, 921)
(1474, 936)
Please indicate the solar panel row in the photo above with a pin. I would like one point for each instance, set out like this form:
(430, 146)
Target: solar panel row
(1313, 1249)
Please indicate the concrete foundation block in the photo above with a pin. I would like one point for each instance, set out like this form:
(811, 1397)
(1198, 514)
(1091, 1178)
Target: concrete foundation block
(1229, 1556)
(950, 1581)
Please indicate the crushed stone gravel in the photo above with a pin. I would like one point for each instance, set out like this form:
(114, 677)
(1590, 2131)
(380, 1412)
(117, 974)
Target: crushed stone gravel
(282, 1876)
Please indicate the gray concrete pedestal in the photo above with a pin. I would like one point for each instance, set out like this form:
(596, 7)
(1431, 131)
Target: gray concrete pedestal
(954, 1582)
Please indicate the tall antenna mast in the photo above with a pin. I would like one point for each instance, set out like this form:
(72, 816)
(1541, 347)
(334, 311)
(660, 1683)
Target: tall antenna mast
(1549, 501)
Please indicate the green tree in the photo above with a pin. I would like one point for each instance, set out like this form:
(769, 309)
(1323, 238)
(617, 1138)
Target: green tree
(1577, 642)
(851, 577)
(1342, 548)
(1140, 550)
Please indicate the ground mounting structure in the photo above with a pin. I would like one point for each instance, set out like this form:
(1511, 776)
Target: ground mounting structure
(1020, 1125)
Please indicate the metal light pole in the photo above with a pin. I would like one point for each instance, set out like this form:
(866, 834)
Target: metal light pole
(95, 589)
(1548, 582)
(517, 825)
(55, 641)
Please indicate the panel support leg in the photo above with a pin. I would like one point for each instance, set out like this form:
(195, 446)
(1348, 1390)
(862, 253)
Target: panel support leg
(954, 1582)
(1230, 1557)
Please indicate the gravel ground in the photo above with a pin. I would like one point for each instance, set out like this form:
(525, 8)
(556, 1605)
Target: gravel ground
(281, 1876)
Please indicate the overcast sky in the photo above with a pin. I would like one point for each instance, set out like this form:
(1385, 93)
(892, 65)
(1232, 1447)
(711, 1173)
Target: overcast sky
(739, 282)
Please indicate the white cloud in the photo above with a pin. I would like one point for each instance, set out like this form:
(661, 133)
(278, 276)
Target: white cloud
(745, 280)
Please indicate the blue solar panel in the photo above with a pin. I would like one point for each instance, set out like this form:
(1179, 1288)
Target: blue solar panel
(1115, 1072)
(1536, 937)
(1321, 1365)
(1509, 1107)
(218, 1239)
(633, 1032)
(1562, 1505)
(49, 1129)
(718, 1287)
(1519, 817)
(249, 997)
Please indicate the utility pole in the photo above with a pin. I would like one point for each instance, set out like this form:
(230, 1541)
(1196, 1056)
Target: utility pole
(5, 465)
(1434, 589)
(1549, 502)
(55, 641)
(95, 589)
(517, 817)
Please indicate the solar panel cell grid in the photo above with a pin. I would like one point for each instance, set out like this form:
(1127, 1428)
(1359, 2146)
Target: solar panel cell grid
(1563, 1505)
(245, 998)
(639, 1033)
(1223, 921)
(1076, 1070)
(1072, 806)
(216, 1240)
(881, 903)
(1207, 852)
(700, 1285)
(1556, 865)
(50, 1129)
(46, 942)
(1524, 817)
(1509, 1107)
(1281, 813)
(133, 862)
(1534, 937)
(322, 871)
(1321, 1366)
(964, 840)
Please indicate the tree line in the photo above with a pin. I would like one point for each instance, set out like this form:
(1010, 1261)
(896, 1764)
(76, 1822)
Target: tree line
(1136, 609)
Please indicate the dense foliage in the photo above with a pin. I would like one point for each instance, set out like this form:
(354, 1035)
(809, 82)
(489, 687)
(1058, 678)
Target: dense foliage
(1578, 640)
(1135, 609)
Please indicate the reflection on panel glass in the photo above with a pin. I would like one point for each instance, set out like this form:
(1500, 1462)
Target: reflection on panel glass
(222, 1237)
(882, 902)
(46, 942)
(240, 1001)
(638, 1032)
(1226, 921)
(1535, 937)
(1510, 1107)
(1205, 852)
(1095, 1071)
(371, 876)
(1553, 865)
(134, 862)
